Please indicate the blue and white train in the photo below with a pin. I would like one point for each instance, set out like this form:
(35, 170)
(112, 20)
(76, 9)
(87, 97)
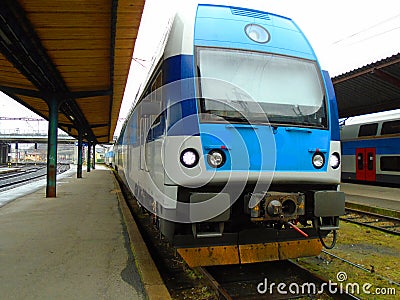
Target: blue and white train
(371, 150)
(109, 156)
(234, 139)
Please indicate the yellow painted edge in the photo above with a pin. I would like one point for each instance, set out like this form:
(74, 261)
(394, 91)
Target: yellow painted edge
(249, 253)
(300, 248)
(258, 252)
(210, 256)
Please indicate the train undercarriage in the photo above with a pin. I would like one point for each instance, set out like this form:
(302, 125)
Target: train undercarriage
(282, 225)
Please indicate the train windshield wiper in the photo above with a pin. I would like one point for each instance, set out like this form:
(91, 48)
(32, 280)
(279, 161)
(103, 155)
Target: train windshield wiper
(236, 119)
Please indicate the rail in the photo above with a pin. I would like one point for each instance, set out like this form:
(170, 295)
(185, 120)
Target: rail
(376, 221)
(361, 267)
(26, 175)
(287, 281)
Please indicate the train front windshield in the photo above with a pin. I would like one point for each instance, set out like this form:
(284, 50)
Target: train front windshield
(251, 87)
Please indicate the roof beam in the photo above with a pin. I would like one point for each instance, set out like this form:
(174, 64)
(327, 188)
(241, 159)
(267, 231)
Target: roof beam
(23, 48)
(99, 125)
(88, 94)
(19, 100)
(363, 71)
(369, 108)
(20, 91)
(101, 136)
(20, 44)
(386, 77)
(114, 11)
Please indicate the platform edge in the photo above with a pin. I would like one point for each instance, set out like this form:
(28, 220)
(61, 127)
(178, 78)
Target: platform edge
(151, 278)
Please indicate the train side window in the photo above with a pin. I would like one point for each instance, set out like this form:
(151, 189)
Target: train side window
(390, 127)
(370, 163)
(390, 163)
(156, 90)
(360, 161)
(368, 129)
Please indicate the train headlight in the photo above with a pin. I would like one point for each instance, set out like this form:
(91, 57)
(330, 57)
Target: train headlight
(257, 33)
(216, 158)
(334, 160)
(318, 160)
(189, 158)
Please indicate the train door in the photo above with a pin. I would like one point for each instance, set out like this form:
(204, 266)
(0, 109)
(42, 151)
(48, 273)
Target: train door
(366, 164)
(144, 125)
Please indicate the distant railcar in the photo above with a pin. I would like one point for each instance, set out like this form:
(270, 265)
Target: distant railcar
(234, 139)
(109, 156)
(371, 151)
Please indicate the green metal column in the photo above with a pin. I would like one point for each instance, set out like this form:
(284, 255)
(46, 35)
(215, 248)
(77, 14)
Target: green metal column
(88, 156)
(16, 154)
(9, 156)
(94, 156)
(52, 149)
(79, 171)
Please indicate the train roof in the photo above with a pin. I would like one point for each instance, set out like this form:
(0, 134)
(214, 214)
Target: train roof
(374, 118)
(178, 37)
(352, 131)
(198, 23)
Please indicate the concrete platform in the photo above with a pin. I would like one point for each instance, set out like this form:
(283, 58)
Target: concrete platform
(75, 246)
(375, 196)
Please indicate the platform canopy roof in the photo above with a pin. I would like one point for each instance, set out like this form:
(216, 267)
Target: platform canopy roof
(76, 52)
(369, 89)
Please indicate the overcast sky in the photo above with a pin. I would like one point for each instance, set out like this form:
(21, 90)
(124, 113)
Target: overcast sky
(344, 34)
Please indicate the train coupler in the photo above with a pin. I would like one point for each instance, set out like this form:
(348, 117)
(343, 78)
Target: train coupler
(275, 206)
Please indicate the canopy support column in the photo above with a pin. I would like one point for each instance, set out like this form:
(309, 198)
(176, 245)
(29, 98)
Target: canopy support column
(88, 156)
(79, 171)
(94, 156)
(52, 149)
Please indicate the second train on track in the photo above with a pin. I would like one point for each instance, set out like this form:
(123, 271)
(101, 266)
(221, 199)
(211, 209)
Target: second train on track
(371, 150)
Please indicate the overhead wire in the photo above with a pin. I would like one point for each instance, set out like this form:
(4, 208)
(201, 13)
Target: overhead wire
(367, 29)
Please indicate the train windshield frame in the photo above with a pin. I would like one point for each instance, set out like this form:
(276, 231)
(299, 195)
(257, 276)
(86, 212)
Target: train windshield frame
(244, 86)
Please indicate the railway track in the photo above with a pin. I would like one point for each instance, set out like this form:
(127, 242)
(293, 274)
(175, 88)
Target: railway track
(270, 280)
(25, 175)
(251, 281)
(19, 172)
(361, 268)
(379, 222)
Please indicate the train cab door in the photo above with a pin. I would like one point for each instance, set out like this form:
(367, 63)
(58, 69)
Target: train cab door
(144, 125)
(366, 164)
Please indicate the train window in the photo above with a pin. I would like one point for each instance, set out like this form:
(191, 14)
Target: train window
(390, 127)
(370, 164)
(368, 129)
(360, 161)
(390, 163)
(292, 91)
(156, 96)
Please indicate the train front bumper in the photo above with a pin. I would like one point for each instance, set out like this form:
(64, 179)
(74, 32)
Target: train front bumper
(249, 253)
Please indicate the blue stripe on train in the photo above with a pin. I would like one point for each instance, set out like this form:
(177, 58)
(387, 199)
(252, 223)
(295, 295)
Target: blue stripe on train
(333, 109)
(253, 147)
(179, 90)
(382, 145)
